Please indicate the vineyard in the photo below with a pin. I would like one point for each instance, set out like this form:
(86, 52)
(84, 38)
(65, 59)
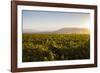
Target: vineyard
(52, 47)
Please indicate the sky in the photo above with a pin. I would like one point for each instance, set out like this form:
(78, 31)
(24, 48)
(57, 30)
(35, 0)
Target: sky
(53, 20)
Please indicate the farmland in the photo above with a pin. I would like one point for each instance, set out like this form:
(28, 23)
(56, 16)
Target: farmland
(53, 47)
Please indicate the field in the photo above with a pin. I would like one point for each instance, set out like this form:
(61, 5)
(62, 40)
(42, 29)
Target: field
(54, 47)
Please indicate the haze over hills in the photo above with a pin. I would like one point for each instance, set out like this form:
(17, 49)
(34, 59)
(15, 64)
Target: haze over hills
(61, 31)
(72, 30)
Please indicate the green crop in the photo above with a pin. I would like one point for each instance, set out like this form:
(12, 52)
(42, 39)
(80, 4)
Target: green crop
(52, 47)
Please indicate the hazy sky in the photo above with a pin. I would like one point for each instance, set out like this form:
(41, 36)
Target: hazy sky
(52, 20)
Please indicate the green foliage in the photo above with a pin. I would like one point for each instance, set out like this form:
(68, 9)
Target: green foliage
(51, 47)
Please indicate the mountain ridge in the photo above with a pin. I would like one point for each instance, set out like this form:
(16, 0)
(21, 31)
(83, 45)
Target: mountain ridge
(62, 31)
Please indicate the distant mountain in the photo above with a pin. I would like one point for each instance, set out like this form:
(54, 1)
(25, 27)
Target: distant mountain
(61, 31)
(72, 30)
